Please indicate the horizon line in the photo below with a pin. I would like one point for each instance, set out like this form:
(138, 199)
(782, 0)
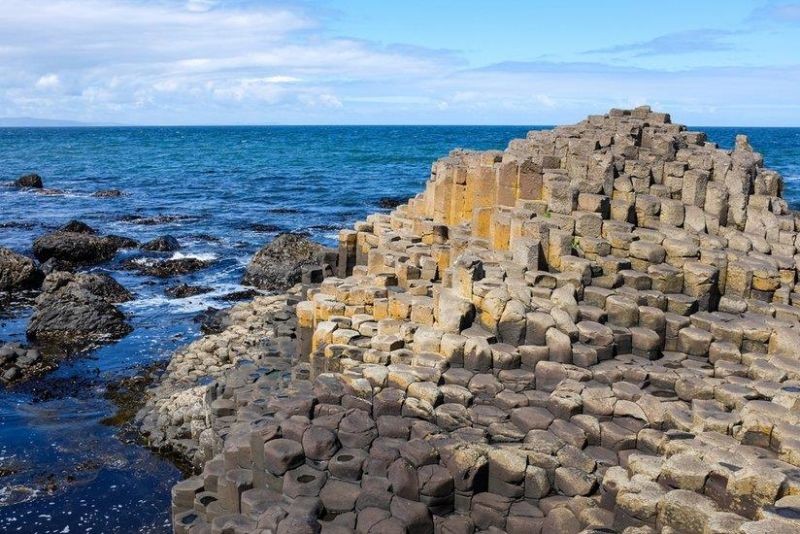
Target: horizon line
(339, 125)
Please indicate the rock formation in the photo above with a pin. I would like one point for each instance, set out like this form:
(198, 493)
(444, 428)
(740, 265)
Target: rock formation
(29, 181)
(595, 330)
(75, 310)
(78, 244)
(18, 272)
(279, 264)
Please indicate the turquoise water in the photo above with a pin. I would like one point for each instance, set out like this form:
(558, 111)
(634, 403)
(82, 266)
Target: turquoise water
(59, 467)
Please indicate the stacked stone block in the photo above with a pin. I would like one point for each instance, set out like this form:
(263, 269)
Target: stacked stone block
(593, 330)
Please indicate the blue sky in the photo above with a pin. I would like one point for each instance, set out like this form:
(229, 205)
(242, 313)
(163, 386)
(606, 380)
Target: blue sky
(409, 62)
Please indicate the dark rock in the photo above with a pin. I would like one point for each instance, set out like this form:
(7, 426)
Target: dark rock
(165, 268)
(76, 243)
(164, 243)
(18, 272)
(237, 296)
(98, 284)
(206, 237)
(279, 264)
(213, 320)
(32, 181)
(76, 310)
(158, 219)
(107, 193)
(266, 228)
(182, 291)
(78, 227)
(391, 202)
(17, 224)
(54, 265)
(122, 242)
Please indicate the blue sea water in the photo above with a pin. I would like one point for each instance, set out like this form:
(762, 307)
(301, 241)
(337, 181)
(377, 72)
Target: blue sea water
(61, 470)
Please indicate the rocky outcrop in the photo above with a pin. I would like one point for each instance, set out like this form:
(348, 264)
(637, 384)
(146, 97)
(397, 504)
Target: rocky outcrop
(279, 265)
(79, 244)
(29, 181)
(182, 291)
(164, 243)
(594, 330)
(257, 336)
(107, 193)
(18, 272)
(75, 310)
(165, 268)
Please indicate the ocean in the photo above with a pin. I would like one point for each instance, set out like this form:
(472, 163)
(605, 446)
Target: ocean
(223, 192)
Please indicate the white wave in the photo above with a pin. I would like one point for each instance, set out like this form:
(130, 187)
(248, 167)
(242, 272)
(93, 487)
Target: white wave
(193, 304)
(202, 256)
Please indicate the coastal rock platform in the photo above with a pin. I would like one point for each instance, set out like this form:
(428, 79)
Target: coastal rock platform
(595, 330)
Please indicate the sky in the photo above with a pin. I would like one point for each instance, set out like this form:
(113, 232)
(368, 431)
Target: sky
(530, 62)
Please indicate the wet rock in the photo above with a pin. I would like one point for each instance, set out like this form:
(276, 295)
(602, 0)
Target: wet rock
(279, 264)
(78, 310)
(18, 362)
(266, 228)
(158, 219)
(391, 202)
(99, 284)
(18, 272)
(164, 243)
(54, 265)
(213, 321)
(182, 291)
(107, 193)
(78, 227)
(165, 268)
(29, 181)
(237, 296)
(76, 243)
(122, 242)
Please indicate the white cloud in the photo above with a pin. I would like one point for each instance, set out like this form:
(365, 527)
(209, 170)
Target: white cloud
(48, 81)
(235, 61)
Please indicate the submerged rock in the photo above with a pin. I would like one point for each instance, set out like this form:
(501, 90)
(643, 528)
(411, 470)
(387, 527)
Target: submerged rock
(236, 296)
(78, 309)
(279, 264)
(107, 193)
(182, 291)
(164, 243)
(165, 268)
(79, 244)
(29, 181)
(158, 219)
(18, 272)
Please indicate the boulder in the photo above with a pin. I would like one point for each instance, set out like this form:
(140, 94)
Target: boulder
(99, 284)
(29, 181)
(279, 264)
(164, 243)
(182, 291)
(18, 272)
(107, 193)
(78, 309)
(79, 244)
(165, 268)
